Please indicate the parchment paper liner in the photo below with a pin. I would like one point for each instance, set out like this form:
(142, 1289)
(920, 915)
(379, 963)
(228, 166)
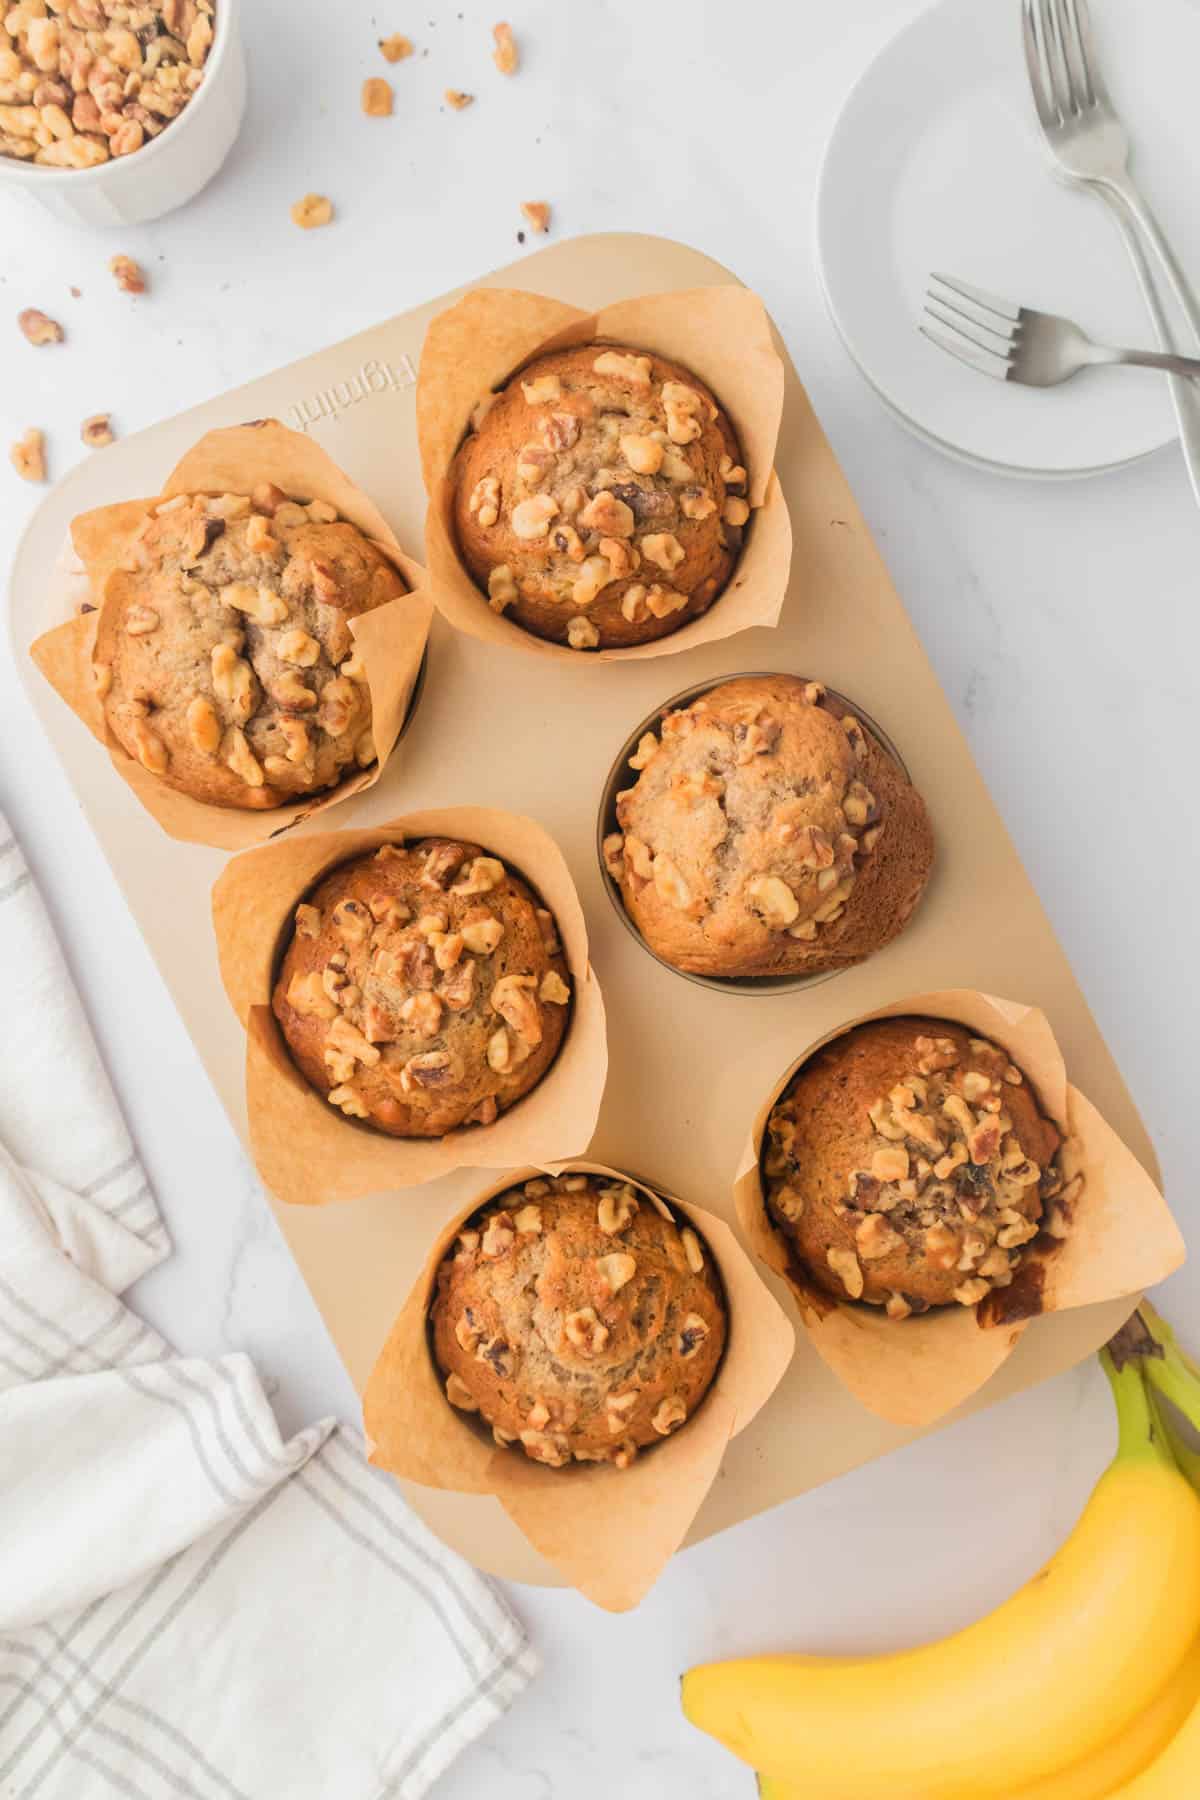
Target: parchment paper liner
(307, 1151)
(722, 333)
(609, 1531)
(1123, 1237)
(392, 637)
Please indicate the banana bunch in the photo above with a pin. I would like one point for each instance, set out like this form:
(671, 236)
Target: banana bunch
(1084, 1685)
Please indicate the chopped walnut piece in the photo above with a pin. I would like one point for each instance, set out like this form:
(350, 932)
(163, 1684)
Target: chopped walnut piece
(692, 1250)
(528, 1222)
(615, 1210)
(586, 1330)
(39, 328)
(456, 99)
(312, 211)
(128, 274)
(505, 54)
(636, 370)
(773, 900)
(875, 1238)
(96, 431)
(498, 1237)
(554, 989)
(616, 1270)
(396, 47)
(28, 456)
(582, 634)
(669, 1415)
(537, 215)
(845, 1265)
(460, 1395)
(377, 97)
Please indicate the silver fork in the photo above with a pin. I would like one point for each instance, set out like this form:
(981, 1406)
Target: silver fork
(1091, 149)
(1015, 343)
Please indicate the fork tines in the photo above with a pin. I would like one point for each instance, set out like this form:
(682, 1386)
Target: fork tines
(980, 329)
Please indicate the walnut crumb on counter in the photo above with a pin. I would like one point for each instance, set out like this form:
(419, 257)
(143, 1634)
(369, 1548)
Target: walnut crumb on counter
(97, 431)
(377, 98)
(28, 456)
(396, 47)
(39, 328)
(505, 54)
(312, 211)
(129, 275)
(458, 100)
(537, 213)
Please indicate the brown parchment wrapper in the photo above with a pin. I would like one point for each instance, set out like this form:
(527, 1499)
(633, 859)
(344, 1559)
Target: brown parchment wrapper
(392, 637)
(722, 333)
(610, 1532)
(307, 1151)
(1122, 1239)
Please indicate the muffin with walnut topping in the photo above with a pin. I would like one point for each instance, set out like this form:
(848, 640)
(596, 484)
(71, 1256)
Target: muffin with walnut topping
(578, 1320)
(424, 988)
(600, 498)
(223, 653)
(908, 1164)
(767, 833)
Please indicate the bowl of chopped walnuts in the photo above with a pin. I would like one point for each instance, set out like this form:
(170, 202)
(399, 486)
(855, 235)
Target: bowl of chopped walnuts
(114, 112)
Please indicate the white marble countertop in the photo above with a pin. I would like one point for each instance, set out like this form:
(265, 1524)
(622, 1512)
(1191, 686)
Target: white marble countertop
(1062, 620)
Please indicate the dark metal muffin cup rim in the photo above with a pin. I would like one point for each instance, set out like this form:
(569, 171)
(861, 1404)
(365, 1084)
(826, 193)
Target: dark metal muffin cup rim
(606, 824)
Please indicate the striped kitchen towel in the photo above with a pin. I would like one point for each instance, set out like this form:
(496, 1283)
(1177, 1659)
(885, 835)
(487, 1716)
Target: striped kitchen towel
(189, 1605)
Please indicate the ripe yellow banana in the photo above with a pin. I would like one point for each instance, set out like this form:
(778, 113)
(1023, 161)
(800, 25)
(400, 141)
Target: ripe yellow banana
(1068, 1663)
(1175, 1775)
(1098, 1775)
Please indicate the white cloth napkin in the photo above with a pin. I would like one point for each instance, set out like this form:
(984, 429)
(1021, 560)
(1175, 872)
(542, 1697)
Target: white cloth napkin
(189, 1605)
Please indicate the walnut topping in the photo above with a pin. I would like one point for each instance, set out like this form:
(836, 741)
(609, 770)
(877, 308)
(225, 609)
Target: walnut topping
(310, 212)
(616, 1270)
(502, 588)
(773, 900)
(513, 998)
(204, 728)
(586, 1331)
(460, 1395)
(788, 1202)
(498, 1237)
(481, 936)
(352, 921)
(897, 1306)
(663, 549)
(636, 370)
(554, 989)
(594, 575)
(968, 1293)
(377, 97)
(643, 454)
(484, 874)
(582, 634)
(647, 748)
(692, 1250)
(735, 511)
(485, 500)
(543, 391)
(28, 456)
(422, 1013)
(466, 1333)
(615, 1210)
(39, 328)
(943, 1246)
(934, 1054)
(845, 1265)
(546, 1447)
(669, 883)
(348, 1100)
(531, 518)
(504, 1052)
(696, 503)
(241, 759)
(683, 406)
(889, 1165)
(875, 1238)
(605, 513)
(669, 1415)
(505, 53)
(528, 1221)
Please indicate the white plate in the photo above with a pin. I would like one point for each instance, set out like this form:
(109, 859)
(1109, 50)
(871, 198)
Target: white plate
(936, 162)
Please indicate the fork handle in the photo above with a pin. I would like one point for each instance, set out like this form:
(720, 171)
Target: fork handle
(1156, 238)
(1168, 360)
(1185, 396)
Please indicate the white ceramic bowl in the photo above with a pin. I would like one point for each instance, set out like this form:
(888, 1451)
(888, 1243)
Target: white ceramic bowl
(168, 171)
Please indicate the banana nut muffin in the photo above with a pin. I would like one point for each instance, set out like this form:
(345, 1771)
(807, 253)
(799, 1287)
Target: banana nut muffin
(423, 988)
(768, 833)
(223, 653)
(908, 1164)
(578, 1320)
(601, 497)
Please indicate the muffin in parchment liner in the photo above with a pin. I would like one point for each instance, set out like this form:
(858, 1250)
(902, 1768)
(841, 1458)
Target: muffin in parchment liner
(304, 690)
(314, 1143)
(731, 547)
(609, 1529)
(1104, 1229)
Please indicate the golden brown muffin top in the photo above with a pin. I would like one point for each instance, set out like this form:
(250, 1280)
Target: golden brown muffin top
(424, 988)
(767, 832)
(578, 1319)
(909, 1165)
(223, 653)
(601, 497)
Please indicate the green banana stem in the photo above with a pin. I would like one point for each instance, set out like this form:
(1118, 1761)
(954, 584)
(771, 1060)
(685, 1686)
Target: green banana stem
(1138, 1436)
(1147, 1344)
